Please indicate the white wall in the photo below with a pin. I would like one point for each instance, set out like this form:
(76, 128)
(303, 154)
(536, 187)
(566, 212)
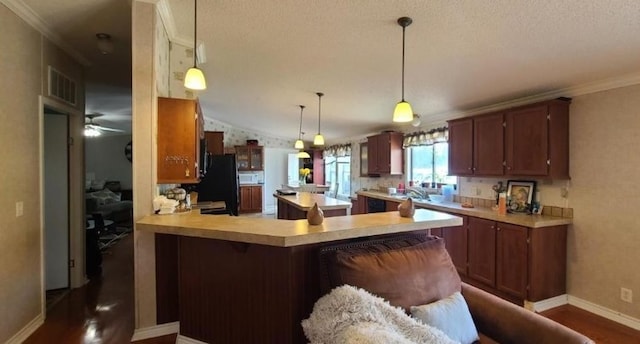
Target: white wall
(105, 159)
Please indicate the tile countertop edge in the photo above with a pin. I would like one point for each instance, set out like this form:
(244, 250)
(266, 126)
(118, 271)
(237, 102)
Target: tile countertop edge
(288, 233)
(531, 221)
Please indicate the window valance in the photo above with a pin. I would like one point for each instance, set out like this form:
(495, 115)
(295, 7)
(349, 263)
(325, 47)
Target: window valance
(337, 150)
(426, 138)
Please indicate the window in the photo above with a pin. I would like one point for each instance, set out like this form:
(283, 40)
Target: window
(338, 170)
(430, 164)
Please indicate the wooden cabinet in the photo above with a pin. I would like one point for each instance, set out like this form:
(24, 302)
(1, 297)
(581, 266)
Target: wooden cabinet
(215, 142)
(455, 240)
(511, 259)
(488, 145)
(537, 140)
(391, 206)
(482, 250)
(531, 140)
(385, 154)
(476, 146)
(461, 147)
(249, 158)
(250, 198)
(179, 129)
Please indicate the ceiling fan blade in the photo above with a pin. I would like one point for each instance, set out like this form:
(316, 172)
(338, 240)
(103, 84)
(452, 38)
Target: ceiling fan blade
(110, 129)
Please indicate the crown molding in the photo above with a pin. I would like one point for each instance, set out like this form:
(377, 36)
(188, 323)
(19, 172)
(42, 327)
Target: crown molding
(34, 20)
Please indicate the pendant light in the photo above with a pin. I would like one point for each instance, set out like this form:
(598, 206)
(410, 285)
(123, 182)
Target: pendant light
(194, 80)
(318, 140)
(299, 144)
(403, 111)
(303, 155)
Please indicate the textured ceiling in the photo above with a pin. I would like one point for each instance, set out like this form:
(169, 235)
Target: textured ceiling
(266, 57)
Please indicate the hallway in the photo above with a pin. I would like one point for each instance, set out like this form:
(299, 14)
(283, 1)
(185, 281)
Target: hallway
(102, 311)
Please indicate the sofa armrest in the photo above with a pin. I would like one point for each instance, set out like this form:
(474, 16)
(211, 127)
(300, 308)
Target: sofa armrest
(508, 323)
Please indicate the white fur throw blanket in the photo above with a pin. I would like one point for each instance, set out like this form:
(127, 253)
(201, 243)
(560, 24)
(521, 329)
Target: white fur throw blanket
(352, 315)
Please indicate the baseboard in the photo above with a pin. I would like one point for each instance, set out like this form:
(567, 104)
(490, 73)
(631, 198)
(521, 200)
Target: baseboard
(541, 306)
(605, 312)
(155, 331)
(26, 331)
(186, 340)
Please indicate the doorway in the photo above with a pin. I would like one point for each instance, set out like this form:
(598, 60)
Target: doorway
(56, 203)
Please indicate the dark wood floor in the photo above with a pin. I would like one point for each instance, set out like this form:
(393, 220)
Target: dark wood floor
(103, 311)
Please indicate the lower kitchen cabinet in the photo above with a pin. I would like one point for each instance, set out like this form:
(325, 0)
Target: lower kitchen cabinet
(511, 259)
(391, 206)
(250, 199)
(482, 250)
(455, 240)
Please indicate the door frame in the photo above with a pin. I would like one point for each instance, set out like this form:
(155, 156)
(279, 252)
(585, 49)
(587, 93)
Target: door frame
(76, 177)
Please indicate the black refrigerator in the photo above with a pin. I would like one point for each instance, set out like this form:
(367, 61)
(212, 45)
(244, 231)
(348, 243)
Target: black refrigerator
(220, 183)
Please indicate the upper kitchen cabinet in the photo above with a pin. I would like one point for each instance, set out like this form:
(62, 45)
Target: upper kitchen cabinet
(385, 154)
(476, 146)
(537, 140)
(531, 140)
(250, 158)
(179, 134)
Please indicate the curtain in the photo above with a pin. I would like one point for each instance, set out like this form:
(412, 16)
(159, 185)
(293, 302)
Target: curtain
(337, 151)
(426, 138)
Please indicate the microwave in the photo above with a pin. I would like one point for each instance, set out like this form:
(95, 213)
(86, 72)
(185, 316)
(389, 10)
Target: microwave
(248, 178)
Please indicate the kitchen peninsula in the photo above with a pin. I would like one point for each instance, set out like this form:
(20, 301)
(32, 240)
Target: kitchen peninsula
(294, 207)
(233, 279)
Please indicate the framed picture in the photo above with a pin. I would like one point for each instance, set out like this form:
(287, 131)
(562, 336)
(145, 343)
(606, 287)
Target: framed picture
(520, 194)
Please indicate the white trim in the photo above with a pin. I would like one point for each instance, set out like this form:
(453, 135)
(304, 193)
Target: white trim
(34, 20)
(186, 340)
(164, 9)
(26, 331)
(605, 312)
(546, 304)
(155, 331)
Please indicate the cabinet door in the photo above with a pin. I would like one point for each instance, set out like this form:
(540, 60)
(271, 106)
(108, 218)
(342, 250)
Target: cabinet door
(178, 141)
(461, 147)
(436, 231)
(318, 167)
(255, 158)
(511, 259)
(215, 142)
(384, 153)
(391, 206)
(526, 141)
(256, 198)
(455, 239)
(372, 150)
(245, 199)
(488, 145)
(482, 250)
(242, 158)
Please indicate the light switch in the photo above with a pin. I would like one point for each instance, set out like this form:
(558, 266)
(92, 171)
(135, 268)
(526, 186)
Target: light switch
(19, 209)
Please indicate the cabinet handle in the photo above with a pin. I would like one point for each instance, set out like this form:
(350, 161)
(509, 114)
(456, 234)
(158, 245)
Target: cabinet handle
(469, 168)
(498, 228)
(492, 226)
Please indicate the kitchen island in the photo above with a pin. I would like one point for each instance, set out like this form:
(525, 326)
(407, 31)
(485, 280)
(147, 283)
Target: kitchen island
(233, 279)
(294, 207)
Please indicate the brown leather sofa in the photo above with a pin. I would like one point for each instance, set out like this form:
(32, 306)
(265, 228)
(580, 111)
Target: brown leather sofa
(416, 269)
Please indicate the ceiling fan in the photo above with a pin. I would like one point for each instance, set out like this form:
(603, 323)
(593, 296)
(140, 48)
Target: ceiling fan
(93, 129)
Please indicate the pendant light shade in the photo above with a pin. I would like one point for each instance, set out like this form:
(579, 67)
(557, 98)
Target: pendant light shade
(318, 140)
(303, 155)
(403, 111)
(299, 144)
(194, 80)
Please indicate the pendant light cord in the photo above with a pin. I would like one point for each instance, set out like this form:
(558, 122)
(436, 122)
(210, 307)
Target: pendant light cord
(403, 30)
(319, 108)
(300, 131)
(195, 36)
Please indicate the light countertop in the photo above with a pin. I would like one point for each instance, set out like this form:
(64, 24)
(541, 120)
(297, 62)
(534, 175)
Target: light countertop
(305, 200)
(532, 221)
(286, 233)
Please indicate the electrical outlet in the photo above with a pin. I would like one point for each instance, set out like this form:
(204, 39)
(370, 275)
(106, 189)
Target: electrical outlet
(19, 209)
(626, 295)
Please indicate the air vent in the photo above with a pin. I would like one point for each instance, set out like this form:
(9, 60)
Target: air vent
(61, 86)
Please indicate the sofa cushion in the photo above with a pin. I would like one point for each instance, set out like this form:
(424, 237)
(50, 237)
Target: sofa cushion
(406, 272)
(450, 315)
(105, 196)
